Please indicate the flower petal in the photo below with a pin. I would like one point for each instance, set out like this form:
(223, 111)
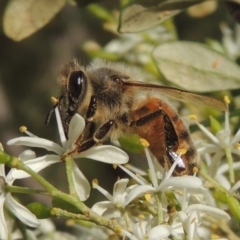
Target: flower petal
(235, 187)
(140, 229)
(22, 213)
(2, 170)
(216, 212)
(181, 182)
(76, 127)
(60, 127)
(37, 142)
(80, 182)
(159, 232)
(137, 192)
(192, 224)
(112, 213)
(128, 235)
(119, 187)
(36, 164)
(107, 154)
(27, 155)
(3, 225)
(101, 207)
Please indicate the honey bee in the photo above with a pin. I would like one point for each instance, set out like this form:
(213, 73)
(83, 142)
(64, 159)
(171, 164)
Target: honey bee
(113, 104)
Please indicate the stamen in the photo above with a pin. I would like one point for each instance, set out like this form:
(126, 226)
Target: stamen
(208, 133)
(181, 151)
(135, 169)
(169, 174)
(141, 216)
(54, 100)
(144, 142)
(132, 175)
(237, 146)
(101, 190)
(94, 183)
(226, 100)
(192, 117)
(147, 197)
(150, 163)
(195, 171)
(23, 129)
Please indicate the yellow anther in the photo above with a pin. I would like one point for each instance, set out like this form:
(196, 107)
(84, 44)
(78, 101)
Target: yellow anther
(94, 183)
(54, 100)
(237, 146)
(70, 222)
(147, 197)
(141, 216)
(195, 170)
(23, 129)
(144, 142)
(181, 151)
(118, 231)
(226, 99)
(192, 117)
(214, 236)
(115, 166)
(127, 165)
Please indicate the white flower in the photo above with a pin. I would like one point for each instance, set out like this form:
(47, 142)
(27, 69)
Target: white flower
(222, 144)
(117, 201)
(143, 230)
(192, 200)
(107, 154)
(6, 199)
(191, 183)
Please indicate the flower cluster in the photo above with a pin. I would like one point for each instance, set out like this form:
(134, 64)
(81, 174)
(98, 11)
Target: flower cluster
(107, 154)
(152, 205)
(171, 206)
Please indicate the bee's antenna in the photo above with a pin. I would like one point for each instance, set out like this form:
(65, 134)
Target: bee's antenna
(49, 115)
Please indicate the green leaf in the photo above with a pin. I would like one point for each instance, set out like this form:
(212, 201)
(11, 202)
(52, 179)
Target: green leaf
(139, 15)
(59, 203)
(23, 18)
(196, 67)
(131, 143)
(40, 210)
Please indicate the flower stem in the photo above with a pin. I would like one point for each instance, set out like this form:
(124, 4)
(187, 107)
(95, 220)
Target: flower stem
(15, 189)
(91, 216)
(159, 210)
(58, 212)
(213, 182)
(127, 220)
(69, 171)
(230, 164)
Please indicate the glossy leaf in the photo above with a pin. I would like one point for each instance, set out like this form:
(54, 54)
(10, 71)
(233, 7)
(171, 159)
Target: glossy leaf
(23, 18)
(140, 15)
(195, 67)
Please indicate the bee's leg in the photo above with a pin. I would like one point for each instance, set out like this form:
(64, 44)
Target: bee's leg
(148, 118)
(98, 137)
(91, 109)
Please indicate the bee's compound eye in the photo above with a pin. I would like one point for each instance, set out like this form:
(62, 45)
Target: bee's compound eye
(75, 83)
